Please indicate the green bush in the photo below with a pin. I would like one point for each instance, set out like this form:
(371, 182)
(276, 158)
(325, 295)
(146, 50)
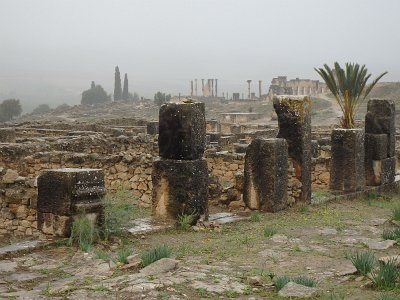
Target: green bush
(154, 254)
(118, 212)
(83, 232)
(363, 262)
(386, 275)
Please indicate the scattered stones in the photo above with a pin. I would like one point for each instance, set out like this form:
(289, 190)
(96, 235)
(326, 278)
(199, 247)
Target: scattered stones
(379, 244)
(294, 290)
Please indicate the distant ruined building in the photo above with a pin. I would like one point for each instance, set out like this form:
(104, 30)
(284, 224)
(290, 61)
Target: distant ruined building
(281, 86)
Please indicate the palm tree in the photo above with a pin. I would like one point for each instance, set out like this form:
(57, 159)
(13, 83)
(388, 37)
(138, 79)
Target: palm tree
(349, 87)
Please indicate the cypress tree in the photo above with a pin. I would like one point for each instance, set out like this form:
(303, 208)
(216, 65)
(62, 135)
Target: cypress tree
(125, 92)
(117, 85)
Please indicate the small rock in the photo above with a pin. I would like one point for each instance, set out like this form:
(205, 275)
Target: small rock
(380, 245)
(394, 258)
(134, 258)
(347, 270)
(10, 176)
(359, 278)
(255, 280)
(160, 266)
(295, 290)
(112, 265)
(279, 238)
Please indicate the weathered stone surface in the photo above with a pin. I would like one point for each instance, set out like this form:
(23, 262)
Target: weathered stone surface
(152, 128)
(180, 187)
(7, 266)
(10, 177)
(7, 135)
(64, 193)
(294, 290)
(160, 266)
(384, 171)
(375, 146)
(392, 258)
(380, 119)
(265, 175)
(347, 164)
(294, 120)
(379, 244)
(182, 131)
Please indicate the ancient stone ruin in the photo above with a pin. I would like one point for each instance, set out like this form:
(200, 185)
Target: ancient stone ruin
(266, 175)
(64, 194)
(294, 121)
(380, 142)
(180, 174)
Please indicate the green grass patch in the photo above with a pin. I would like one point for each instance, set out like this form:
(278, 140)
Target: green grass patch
(123, 254)
(255, 216)
(154, 254)
(396, 214)
(280, 282)
(184, 222)
(386, 275)
(83, 232)
(363, 262)
(269, 231)
(391, 234)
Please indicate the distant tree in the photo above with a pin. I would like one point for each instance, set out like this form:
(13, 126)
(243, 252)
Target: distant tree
(9, 109)
(42, 108)
(125, 92)
(161, 98)
(96, 94)
(117, 85)
(63, 106)
(135, 97)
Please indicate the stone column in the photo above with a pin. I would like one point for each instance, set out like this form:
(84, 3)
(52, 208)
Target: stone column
(347, 161)
(212, 87)
(202, 86)
(294, 119)
(259, 89)
(191, 88)
(380, 142)
(7, 135)
(248, 89)
(180, 174)
(63, 194)
(266, 175)
(216, 87)
(195, 87)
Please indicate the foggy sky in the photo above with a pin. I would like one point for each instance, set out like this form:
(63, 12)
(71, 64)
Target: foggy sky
(54, 47)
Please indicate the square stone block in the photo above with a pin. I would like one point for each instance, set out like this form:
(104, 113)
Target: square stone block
(347, 163)
(182, 131)
(265, 175)
(180, 187)
(376, 146)
(65, 193)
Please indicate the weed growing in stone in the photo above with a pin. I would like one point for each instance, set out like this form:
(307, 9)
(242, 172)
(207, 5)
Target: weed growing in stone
(184, 222)
(255, 216)
(269, 231)
(386, 275)
(154, 254)
(123, 254)
(363, 262)
(304, 280)
(391, 234)
(83, 232)
(281, 281)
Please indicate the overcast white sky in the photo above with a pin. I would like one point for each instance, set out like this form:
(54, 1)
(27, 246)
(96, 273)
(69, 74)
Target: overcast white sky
(62, 45)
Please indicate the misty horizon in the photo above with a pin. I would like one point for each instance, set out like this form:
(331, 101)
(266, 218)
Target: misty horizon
(52, 50)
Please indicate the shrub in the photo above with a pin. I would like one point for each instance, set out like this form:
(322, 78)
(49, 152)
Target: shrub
(363, 262)
(391, 234)
(118, 211)
(269, 231)
(386, 275)
(304, 280)
(184, 222)
(281, 281)
(123, 254)
(154, 254)
(83, 232)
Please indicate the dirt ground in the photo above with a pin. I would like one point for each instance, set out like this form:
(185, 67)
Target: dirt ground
(229, 261)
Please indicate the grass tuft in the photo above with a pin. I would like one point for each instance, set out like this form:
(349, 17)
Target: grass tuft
(386, 275)
(255, 216)
(123, 254)
(386, 297)
(184, 222)
(391, 234)
(269, 231)
(396, 214)
(101, 254)
(363, 262)
(154, 254)
(281, 281)
(83, 232)
(304, 280)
